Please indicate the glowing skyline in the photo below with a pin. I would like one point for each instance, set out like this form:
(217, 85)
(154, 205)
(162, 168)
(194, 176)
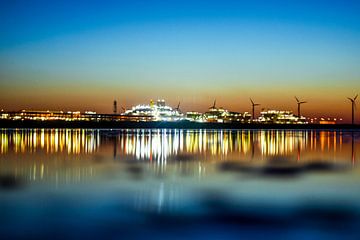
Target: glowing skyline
(83, 55)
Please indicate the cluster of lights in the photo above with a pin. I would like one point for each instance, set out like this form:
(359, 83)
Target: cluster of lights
(153, 145)
(50, 115)
(159, 111)
(155, 112)
(324, 120)
(280, 117)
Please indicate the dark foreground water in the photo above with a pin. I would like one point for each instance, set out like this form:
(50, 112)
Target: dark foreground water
(179, 184)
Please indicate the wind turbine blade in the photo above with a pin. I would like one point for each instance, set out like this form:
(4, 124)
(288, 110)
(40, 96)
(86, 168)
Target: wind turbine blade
(214, 104)
(297, 99)
(355, 97)
(350, 99)
(252, 101)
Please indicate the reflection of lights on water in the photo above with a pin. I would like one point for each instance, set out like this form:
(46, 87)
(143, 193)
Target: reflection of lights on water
(282, 142)
(4, 143)
(160, 198)
(157, 145)
(49, 142)
(52, 141)
(39, 171)
(160, 144)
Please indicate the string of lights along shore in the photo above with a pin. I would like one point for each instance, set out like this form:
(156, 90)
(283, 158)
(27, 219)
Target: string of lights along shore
(156, 111)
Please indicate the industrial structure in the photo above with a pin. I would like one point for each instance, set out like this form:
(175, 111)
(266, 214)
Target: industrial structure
(280, 117)
(154, 112)
(159, 111)
(221, 115)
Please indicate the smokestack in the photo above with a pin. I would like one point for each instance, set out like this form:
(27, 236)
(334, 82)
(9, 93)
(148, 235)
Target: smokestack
(115, 107)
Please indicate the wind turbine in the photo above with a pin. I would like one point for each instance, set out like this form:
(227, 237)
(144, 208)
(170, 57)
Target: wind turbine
(253, 108)
(214, 105)
(353, 105)
(299, 104)
(178, 108)
(124, 109)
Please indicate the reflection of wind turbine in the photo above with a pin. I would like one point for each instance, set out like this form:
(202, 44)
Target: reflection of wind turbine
(252, 144)
(352, 149)
(115, 147)
(298, 151)
(353, 105)
(214, 105)
(253, 108)
(299, 104)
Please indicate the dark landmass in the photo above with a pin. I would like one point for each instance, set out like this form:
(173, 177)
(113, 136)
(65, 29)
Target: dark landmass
(171, 125)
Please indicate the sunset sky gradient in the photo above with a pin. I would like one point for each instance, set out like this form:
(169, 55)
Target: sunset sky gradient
(81, 56)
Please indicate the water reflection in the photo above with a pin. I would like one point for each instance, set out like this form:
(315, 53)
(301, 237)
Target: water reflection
(51, 141)
(159, 144)
(352, 148)
(24, 152)
(141, 179)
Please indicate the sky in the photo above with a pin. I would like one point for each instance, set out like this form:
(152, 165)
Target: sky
(81, 55)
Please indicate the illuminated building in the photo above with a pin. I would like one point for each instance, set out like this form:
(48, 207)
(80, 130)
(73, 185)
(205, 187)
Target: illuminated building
(153, 112)
(280, 117)
(194, 116)
(52, 115)
(222, 115)
(4, 115)
(238, 117)
(215, 114)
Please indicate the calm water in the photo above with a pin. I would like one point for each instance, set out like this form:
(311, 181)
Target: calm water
(176, 184)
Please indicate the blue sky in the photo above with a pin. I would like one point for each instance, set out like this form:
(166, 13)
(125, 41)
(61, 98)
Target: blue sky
(83, 54)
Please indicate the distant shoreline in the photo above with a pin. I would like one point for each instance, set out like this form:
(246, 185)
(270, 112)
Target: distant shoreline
(169, 125)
